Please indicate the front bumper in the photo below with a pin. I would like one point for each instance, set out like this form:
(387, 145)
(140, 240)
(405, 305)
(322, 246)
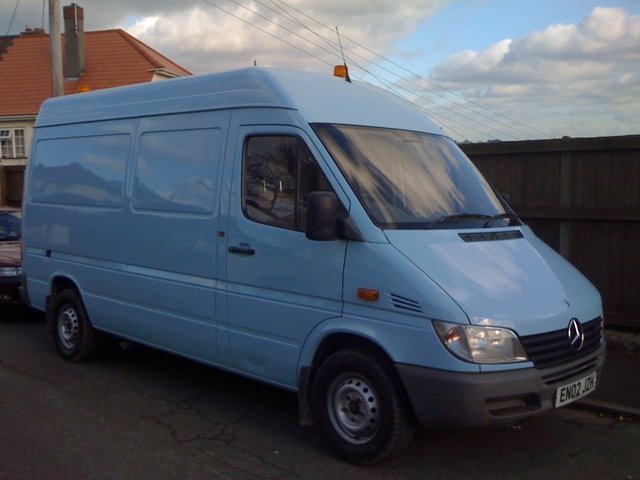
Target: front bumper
(446, 398)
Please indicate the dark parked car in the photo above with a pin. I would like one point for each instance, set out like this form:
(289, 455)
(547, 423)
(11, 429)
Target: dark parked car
(10, 250)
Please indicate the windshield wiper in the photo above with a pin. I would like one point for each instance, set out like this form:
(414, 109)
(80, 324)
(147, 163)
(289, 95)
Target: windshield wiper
(463, 217)
(459, 217)
(502, 216)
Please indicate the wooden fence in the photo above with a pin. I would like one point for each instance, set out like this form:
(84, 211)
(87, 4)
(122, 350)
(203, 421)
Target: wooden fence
(582, 197)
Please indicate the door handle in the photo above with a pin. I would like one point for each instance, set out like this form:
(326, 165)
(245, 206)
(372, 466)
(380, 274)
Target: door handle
(242, 250)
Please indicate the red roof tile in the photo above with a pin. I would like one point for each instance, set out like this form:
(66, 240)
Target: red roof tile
(112, 58)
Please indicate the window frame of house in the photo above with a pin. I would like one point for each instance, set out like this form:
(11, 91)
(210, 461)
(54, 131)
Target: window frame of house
(13, 144)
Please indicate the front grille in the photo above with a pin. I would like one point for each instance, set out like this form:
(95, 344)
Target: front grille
(561, 376)
(553, 348)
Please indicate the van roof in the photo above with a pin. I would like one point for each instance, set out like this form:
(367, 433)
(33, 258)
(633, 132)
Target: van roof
(319, 99)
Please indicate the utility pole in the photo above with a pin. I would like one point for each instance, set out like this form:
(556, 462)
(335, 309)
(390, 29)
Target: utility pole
(57, 81)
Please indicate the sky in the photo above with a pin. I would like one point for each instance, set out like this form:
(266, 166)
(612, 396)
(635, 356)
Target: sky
(483, 69)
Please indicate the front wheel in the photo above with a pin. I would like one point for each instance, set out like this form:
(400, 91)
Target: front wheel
(361, 408)
(74, 336)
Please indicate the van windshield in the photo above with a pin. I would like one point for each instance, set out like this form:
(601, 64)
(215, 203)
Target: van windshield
(412, 180)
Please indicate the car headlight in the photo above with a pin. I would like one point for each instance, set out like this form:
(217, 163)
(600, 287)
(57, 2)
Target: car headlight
(10, 271)
(479, 344)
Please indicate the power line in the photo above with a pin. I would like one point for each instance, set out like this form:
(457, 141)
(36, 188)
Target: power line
(392, 88)
(13, 16)
(412, 93)
(334, 51)
(388, 84)
(301, 24)
(267, 19)
(265, 31)
(452, 92)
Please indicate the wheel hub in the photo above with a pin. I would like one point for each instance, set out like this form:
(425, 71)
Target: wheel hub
(353, 408)
(68, 327)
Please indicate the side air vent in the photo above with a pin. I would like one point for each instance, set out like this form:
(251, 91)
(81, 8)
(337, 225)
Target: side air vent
(406, 304)
(491, 236)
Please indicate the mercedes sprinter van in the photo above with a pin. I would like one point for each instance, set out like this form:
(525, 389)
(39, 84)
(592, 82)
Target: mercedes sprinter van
(319, 235)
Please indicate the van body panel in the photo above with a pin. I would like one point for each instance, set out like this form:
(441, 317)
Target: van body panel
(583, 297)
(502, 282)
(174, 207)
(276, 295)
(333, 99)
(75, 203)
(224, 91)
(505, 283)
(38, 279)
(404, 342)
(404, 289)
(102, 286)
(391, 337)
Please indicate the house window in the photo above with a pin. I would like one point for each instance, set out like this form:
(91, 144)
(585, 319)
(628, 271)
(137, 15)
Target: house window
(12, 143)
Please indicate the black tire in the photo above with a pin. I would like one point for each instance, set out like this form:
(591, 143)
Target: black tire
(361, 408)
(74, 336)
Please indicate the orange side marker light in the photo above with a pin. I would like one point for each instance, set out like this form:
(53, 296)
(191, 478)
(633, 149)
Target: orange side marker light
(368, 294)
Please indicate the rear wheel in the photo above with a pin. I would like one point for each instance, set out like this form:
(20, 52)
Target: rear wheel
(74, 336)
(361, 408)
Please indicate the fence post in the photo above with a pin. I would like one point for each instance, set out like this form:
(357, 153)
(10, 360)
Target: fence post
(565, 202)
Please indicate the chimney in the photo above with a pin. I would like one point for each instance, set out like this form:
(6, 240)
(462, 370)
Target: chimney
(29, 30)
(74, 40)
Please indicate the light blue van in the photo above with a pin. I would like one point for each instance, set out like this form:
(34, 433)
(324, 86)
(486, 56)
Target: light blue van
(315, 234)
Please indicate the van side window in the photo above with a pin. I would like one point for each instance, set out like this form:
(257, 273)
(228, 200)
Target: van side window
(278, 173)
(176, 171)
(87, 171)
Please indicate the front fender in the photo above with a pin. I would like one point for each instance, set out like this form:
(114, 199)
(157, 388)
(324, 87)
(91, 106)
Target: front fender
(402, 342)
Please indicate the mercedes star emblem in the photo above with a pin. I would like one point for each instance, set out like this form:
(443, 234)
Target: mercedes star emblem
(576, 335)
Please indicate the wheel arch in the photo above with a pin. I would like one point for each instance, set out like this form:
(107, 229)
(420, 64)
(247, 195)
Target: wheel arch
(329, 344)
(356, 398)
(59, 283)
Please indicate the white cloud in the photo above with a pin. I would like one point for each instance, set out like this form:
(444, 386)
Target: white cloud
(202, 37)
(218, 35)
(579, 79)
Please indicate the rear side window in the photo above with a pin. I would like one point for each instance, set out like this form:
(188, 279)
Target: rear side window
(176, 171)
(81, 171)
(278, 174)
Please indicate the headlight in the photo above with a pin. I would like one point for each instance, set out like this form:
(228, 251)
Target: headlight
(481, 344)
(10, 271)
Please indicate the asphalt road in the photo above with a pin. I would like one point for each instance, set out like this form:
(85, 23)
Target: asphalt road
(140, 414)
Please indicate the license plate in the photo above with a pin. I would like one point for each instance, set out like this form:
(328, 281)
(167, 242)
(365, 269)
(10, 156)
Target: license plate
(575, 390)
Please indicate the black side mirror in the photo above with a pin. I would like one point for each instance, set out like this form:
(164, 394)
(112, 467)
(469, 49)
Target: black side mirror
(322, 212)
(506, 197)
